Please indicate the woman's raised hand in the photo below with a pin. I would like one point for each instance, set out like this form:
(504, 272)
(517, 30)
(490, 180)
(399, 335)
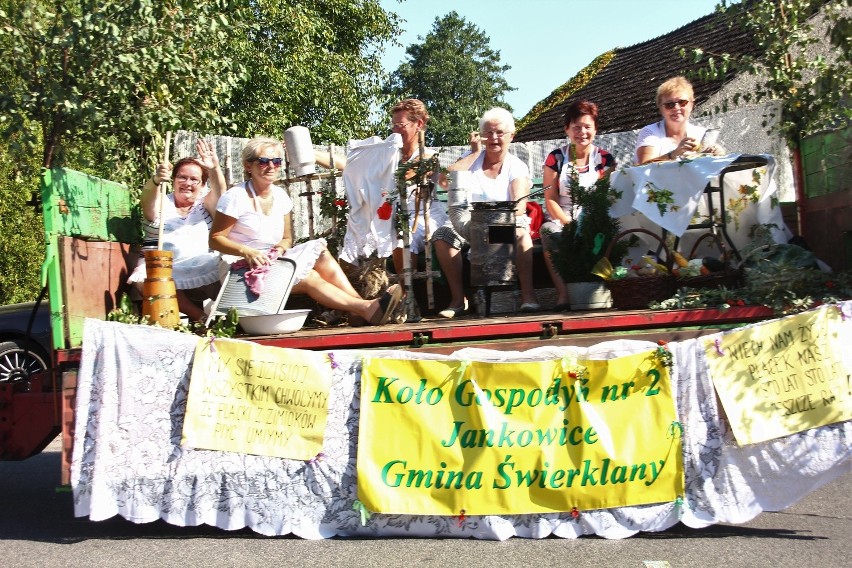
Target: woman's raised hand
(475, 142)
(686, 145)
(206, 154)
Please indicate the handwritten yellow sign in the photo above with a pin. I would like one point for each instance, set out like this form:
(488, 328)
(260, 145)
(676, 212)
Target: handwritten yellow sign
(446, 437)
(784, 376)
(254, 399)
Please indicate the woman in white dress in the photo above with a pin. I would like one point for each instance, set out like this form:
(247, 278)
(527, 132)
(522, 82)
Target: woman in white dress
(187, 216)
(253, 222)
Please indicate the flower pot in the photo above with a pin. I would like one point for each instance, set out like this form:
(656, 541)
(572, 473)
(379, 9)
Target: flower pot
(589, 295)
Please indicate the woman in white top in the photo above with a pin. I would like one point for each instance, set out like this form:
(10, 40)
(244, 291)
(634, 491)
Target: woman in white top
(253, 220)
(673, 136)
(187, 216)
(501, 176)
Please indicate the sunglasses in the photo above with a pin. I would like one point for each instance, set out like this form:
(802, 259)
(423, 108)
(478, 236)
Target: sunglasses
(671, 104)
(276, 162)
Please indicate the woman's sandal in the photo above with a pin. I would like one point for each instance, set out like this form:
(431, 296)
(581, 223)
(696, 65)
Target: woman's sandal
(388, 302)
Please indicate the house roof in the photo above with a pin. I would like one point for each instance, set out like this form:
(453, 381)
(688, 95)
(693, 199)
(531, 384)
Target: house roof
(625, 89)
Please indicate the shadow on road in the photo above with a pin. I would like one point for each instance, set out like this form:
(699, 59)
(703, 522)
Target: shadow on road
(37, 510)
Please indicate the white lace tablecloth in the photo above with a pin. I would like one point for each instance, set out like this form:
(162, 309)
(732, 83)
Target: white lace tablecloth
(131, 398)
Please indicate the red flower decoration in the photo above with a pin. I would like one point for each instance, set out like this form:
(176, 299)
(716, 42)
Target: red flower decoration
(340, 203)
(384, 211)
(829, 284)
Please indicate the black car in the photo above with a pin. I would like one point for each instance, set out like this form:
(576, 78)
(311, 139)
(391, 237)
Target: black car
(22, 355)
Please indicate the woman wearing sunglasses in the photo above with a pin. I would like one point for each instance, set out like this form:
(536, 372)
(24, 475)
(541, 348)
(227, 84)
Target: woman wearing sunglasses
(254, 223)
(673, 136)
(187, 216)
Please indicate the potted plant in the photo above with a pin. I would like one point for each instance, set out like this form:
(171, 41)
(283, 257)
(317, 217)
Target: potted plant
(583, 242)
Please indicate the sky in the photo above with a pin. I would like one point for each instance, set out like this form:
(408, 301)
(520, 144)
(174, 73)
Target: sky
(546, 42)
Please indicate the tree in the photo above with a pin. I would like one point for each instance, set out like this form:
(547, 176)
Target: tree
(88, 83)
(813, 91)
(94, 84)
(22, 245)
(456, 74)
(83, 70)
(314, 62)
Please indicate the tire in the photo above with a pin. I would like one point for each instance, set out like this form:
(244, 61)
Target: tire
(20, 360)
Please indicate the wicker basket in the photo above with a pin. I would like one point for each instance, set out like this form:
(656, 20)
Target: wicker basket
(729, 278)
(637, 293)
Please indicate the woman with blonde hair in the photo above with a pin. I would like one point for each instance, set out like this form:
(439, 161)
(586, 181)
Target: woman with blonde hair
(254, 222)
(674, 135)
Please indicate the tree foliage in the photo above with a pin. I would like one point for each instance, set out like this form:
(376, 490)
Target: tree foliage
(314, 62)
(94, 84)
(83, 70)
(456, 74)
(22, 245)
(813, 89)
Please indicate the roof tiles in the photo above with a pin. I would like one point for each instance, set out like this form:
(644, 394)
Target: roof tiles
(626, 88)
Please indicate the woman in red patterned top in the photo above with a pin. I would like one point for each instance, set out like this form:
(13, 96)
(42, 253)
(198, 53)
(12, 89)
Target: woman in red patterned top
(581, 158)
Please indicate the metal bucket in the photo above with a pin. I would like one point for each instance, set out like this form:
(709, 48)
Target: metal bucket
(457, 188)
(300, 151)
(492, 243)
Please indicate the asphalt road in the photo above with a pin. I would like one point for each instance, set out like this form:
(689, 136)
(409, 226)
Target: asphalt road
(38, 529)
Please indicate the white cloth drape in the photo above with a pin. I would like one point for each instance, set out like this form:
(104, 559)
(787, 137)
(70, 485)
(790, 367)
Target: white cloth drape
(369, 180)
(670, 195)
(131, 399)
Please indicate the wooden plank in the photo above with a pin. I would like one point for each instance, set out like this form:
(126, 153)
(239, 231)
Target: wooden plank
(79, 205)
(827, 162)
(503, 332)
(94, 275)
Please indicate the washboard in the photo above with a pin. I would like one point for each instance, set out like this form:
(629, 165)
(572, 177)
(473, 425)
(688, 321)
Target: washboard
(235, 294)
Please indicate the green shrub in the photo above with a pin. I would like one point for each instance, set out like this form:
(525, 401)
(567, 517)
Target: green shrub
(583, 242)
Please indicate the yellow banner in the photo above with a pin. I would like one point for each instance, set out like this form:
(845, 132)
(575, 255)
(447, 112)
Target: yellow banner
(249, 398)
(784, 376)
(453, 437)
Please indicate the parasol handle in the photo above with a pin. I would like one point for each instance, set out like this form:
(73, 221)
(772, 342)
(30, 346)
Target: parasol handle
(164, 188)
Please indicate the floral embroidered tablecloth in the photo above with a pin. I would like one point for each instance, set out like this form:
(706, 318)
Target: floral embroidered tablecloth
(671, 194)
